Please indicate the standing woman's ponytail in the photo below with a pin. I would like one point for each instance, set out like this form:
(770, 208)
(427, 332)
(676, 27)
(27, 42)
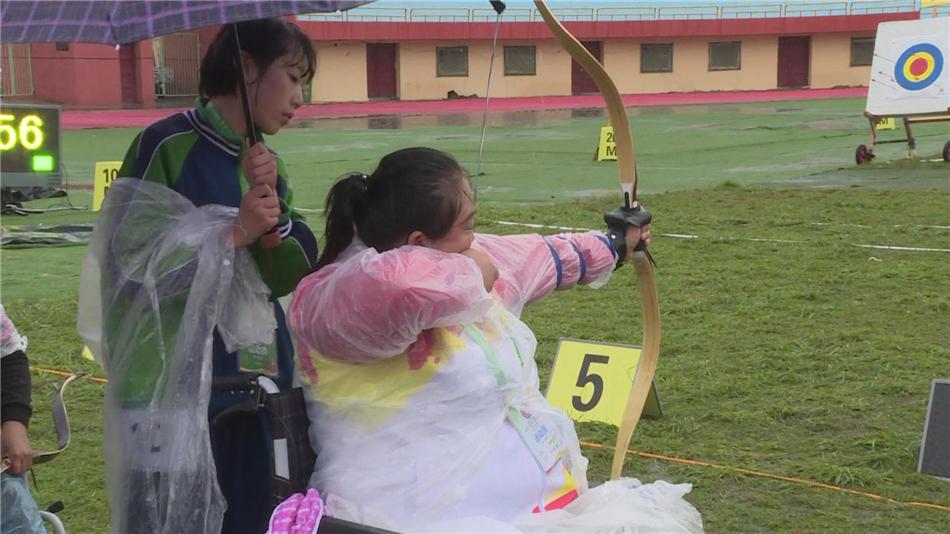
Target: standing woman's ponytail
(346, 206)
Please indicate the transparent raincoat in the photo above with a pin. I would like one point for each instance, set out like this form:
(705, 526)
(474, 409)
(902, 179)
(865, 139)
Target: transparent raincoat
(159, 276)
(424, 394)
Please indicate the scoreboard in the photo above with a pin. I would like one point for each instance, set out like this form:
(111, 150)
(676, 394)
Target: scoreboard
(30, 145)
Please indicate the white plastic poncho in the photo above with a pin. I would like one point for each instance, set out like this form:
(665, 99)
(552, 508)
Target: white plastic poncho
(158, 277)
(424, 394)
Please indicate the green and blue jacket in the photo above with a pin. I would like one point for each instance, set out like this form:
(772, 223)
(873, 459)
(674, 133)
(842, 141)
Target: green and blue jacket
(199, 156)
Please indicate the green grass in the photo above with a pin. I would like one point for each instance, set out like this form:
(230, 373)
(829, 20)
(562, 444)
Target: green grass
(785, 347)
(546, 156)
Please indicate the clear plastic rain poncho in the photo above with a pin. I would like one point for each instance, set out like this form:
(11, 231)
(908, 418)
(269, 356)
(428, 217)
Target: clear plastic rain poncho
(159, 276)
(424, 394)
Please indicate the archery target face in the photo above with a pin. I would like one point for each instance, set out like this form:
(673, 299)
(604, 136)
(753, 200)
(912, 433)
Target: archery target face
(918, 67)
(910, 70)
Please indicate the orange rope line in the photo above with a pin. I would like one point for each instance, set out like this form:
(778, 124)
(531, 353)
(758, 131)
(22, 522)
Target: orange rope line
(64, 373)
(752, 472)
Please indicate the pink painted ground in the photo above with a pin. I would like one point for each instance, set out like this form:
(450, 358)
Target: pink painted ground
(139, 118)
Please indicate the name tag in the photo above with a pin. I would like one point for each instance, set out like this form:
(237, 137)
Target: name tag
(541, 435)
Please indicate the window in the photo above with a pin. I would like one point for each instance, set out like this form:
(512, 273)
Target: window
(725, 55)
(519, 61)
(862, 51)
(451, 61)
(62, 46)
(656, 57)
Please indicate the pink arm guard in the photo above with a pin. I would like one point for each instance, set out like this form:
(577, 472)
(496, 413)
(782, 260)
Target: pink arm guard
(531, 266)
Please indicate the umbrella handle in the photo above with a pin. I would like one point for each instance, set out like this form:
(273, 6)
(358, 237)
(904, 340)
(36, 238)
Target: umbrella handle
(242, 86)
(271, 239)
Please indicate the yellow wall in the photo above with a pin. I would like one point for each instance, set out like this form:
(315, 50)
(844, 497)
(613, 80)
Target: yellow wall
(418, 80)
(691, 67)
(341, 72)
(341, 68)
(831, 62)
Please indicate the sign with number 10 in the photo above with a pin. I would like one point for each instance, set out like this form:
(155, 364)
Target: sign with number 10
(106, 172)
(591, 381)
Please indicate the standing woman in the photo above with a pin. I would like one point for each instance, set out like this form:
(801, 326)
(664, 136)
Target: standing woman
(203, 156)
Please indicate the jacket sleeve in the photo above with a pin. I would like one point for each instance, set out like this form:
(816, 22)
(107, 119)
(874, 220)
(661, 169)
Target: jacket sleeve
(531, 266)
(15, 404)
(375, 305)
(285, 265)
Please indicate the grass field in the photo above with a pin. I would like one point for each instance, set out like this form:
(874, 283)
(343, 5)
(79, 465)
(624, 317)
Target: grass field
(787, 346)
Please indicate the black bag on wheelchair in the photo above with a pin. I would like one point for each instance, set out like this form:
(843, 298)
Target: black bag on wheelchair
(259, 437)
(259, 433)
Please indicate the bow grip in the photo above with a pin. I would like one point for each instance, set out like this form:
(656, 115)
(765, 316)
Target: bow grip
(617, 222)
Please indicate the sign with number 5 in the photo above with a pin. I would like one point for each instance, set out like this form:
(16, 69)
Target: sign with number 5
(591, 380)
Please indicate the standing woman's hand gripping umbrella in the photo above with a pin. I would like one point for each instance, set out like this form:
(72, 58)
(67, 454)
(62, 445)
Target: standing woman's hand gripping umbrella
(260, 206)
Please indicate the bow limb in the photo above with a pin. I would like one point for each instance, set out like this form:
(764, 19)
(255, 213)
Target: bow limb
(646, 276)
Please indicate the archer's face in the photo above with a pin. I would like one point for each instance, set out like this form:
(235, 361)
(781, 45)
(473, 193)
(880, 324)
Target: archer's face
(460, 236)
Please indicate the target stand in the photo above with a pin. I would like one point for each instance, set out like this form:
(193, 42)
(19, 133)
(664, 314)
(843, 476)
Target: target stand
(910, 81)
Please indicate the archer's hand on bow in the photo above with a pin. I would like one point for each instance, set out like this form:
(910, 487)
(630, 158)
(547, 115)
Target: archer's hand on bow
(628, 230)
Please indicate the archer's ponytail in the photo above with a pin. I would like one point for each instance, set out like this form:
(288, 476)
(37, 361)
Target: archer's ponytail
(346, 205)
(411, 189)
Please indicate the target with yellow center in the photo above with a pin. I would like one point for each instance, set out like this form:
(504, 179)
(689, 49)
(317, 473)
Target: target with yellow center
(919, 67)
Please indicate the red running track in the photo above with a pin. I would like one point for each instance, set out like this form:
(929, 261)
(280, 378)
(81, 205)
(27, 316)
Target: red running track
(139, 118)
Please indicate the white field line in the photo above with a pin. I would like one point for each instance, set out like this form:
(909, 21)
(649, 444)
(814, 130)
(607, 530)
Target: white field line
(891, 247)
(852, 225)
(755, 239)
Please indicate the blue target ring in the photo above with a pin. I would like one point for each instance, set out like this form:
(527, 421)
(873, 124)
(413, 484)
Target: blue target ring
(924, 54)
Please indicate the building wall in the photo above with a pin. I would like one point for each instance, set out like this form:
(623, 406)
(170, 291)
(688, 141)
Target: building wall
(84, 75)
(90, 75)
(418, 79)
(758, 66)
(341, 72)
(831, 61)
(144, 79)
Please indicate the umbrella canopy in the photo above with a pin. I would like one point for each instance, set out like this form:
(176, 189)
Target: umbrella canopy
(123, 22)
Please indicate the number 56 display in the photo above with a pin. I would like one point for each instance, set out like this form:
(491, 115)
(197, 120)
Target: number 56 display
(591, 381)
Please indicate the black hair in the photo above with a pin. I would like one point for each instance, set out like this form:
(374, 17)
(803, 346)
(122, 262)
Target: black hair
(411, 189)
(264, 40)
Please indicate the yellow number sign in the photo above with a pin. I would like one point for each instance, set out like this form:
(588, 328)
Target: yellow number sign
(591, 381)
(106, 173)
(886, 123)
(606, 148)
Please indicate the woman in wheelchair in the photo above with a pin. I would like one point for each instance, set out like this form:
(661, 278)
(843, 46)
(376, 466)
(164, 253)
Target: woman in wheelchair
(423, 390)
(20, 512)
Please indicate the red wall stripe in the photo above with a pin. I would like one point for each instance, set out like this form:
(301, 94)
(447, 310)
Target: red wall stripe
(595, 30)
